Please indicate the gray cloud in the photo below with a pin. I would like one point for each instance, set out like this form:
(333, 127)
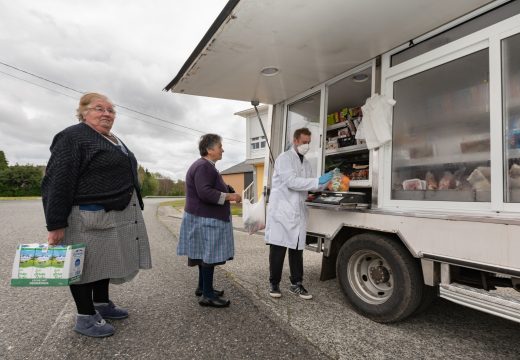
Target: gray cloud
(126, 50)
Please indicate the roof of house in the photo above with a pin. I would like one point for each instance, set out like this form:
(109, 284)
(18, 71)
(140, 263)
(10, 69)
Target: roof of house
(242, 167)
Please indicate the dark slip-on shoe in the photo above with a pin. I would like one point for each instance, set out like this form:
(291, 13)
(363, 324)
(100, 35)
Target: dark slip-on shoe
(219, 293)
(216, 302)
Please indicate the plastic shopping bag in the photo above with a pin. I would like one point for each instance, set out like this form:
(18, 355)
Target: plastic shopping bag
(253, 215)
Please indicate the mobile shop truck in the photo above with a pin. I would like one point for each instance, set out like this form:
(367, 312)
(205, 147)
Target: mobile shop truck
(435, 210)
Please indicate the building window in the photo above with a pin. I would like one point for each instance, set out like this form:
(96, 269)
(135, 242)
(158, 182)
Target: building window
(258, 142)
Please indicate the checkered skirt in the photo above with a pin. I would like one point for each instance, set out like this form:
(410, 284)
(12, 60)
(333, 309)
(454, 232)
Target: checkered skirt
(116, 242)
(206, 239)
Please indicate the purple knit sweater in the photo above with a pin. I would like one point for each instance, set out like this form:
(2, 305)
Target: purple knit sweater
(204, 185)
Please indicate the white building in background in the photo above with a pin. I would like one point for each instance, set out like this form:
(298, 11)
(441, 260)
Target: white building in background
(256, 146)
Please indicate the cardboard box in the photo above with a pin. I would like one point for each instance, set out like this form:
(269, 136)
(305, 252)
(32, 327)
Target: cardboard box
(43, 265)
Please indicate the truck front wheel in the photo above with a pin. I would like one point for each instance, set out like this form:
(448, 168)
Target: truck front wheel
(379, 277)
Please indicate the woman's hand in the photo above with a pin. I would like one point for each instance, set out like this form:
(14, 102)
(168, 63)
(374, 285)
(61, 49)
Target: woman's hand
(55, 236)
(234, 197)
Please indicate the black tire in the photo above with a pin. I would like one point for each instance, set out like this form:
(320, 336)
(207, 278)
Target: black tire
(429, 294)
(368, 258)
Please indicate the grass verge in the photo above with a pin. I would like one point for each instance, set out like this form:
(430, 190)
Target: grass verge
(20, 197)
(236, 209)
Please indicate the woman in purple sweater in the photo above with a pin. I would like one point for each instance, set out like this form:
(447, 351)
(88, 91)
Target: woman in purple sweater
(206, 235)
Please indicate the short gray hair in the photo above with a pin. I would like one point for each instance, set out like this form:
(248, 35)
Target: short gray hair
(208, 141)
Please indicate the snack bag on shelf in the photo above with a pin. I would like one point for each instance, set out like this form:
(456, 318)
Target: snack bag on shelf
(344, 114)
(351, 126)
(355, 112)
(330, 119)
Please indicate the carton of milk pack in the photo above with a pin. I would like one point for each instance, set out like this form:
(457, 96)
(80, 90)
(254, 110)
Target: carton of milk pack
(43, 265)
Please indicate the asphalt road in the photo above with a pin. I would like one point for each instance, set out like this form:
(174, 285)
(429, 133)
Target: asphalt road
(165, 320)
(445, 331)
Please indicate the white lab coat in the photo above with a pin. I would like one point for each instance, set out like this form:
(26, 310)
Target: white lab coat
(286, 221)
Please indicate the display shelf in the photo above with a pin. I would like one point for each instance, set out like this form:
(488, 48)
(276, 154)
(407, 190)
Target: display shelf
(359, 183)
(443, 160)
(339, 125)
(443, 195)
(347, 149)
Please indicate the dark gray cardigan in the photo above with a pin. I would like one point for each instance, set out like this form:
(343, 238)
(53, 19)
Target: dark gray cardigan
(85, 168)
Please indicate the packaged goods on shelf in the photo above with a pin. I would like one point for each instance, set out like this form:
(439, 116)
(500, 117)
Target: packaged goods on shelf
(355, 112)
(475, 146)
(359, 175)
(332, 143)
(351, 126)
(344, 114)
(447, 181)
(478, 179)
(431, 182)
(346, 141)
(414, 184)
(344, 132)
(421, 151)
(514, 176)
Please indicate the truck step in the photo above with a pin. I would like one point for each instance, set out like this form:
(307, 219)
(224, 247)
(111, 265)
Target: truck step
(478, 299)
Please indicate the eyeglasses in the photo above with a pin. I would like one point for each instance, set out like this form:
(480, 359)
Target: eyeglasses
(102, 110)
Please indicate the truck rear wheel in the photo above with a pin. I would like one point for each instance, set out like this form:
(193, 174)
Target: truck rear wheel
(379, 277)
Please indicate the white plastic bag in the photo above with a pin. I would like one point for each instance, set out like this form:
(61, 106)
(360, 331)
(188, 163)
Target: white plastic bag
(253, 215)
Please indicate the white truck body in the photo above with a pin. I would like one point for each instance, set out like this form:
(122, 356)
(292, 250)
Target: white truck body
(461, 242)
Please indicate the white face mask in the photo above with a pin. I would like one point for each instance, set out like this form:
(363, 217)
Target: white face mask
(303, 149)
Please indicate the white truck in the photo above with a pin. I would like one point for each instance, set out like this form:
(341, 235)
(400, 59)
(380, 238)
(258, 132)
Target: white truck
(436, 209)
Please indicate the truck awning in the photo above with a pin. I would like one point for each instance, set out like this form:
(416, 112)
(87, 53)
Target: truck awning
(309, 42)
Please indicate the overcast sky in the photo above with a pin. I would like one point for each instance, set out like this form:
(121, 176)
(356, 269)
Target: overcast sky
(129, 50)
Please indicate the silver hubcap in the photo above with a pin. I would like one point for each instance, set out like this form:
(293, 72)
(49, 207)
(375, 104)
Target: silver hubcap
(370, 276)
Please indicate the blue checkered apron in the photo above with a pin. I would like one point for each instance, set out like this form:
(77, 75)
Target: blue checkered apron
(206, 239)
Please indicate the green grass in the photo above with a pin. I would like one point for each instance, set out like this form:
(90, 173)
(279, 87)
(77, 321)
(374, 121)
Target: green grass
(236, 209)
(178, 204)
(20, 197)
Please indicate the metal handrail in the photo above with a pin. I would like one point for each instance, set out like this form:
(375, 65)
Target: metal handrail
(249, 192)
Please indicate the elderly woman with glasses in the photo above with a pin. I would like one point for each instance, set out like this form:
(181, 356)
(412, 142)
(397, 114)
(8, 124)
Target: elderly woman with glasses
(206, 234)
(91, 195)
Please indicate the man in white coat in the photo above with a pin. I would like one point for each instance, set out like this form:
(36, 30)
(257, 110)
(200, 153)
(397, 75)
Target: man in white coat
(286, 223)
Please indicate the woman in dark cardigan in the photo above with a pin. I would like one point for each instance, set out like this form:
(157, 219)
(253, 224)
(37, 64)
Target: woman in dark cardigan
(206, 235)
(91, 195)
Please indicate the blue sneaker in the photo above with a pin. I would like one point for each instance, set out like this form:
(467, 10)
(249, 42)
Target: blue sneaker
(93, 325)
(111, 311)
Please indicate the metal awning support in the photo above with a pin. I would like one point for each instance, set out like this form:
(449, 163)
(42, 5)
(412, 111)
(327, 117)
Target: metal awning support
(255, 104)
